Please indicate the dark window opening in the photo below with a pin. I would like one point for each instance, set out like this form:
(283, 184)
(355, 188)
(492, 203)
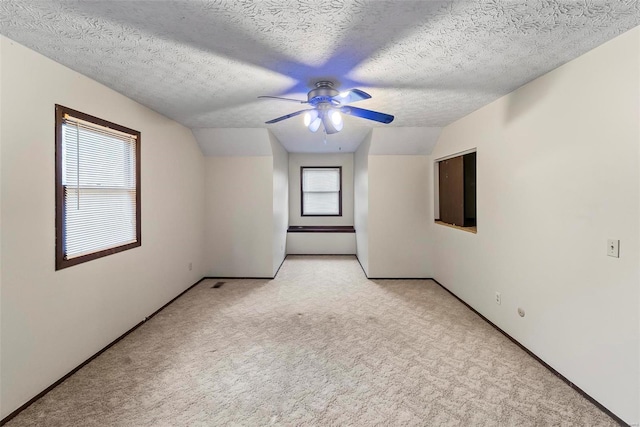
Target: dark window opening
(456, 202)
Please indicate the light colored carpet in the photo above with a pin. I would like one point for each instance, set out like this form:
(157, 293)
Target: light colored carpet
(319, 345)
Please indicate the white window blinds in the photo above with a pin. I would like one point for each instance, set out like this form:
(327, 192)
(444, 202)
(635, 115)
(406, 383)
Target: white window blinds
(99, 187)
(321, 191)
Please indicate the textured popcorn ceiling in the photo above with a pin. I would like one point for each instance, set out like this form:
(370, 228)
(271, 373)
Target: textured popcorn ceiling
(203, 63)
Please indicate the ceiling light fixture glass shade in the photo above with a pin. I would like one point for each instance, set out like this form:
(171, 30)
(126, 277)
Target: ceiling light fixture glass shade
(315, 124)
(336, 120)
(329, 117)
(311, 120)
(332, 122)
(309, 117)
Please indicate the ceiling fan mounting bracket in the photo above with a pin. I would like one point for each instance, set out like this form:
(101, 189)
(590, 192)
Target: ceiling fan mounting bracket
(324, 83)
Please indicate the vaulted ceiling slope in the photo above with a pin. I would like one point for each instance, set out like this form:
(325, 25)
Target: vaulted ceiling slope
(203, 63)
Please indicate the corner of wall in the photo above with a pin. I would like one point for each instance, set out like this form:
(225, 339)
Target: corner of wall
(638, 130)
(400, 215)
(197, 142)
(361, 201)
(280, 201)
(2, 41)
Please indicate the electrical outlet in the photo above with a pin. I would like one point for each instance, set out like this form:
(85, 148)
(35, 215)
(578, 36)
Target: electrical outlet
(190, 266)
(613, 248)
(498, 298)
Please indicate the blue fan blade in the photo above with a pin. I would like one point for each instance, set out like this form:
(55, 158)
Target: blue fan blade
(279, 119)
(283, 99)
(350, 96)
(368, 114)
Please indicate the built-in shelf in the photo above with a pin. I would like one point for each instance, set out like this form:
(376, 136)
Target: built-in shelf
(321, 229)
(473, 229)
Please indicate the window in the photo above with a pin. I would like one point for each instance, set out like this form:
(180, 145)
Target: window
(456, 191)
(321, 191)
(97, 188)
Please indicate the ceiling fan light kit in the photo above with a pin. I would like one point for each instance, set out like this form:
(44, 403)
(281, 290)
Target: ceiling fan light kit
(328, 106)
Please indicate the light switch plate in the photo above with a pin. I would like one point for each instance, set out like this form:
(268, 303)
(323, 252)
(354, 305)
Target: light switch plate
(613, 248)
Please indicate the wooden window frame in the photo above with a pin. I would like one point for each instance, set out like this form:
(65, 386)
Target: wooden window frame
(61, 261)
(302, 168)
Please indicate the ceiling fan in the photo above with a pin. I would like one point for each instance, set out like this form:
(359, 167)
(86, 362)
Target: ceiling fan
(327, 105)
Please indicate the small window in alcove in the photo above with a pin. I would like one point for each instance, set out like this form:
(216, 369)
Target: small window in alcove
(321, 191)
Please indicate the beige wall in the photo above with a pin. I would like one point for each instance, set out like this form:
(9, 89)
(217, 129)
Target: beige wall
(321, 243)
(400, 213)
(239, 216)
(558, 175)
(280, 201)
(638, 129)
(54, 320)
(296, 160)
(393, 210)
(361, 201)
(246, 198)
(2, 414)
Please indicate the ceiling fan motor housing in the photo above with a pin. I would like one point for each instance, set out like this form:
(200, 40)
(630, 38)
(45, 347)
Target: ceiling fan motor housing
(324, 92)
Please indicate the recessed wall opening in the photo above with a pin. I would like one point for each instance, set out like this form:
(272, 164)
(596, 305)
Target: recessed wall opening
(455, 191)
